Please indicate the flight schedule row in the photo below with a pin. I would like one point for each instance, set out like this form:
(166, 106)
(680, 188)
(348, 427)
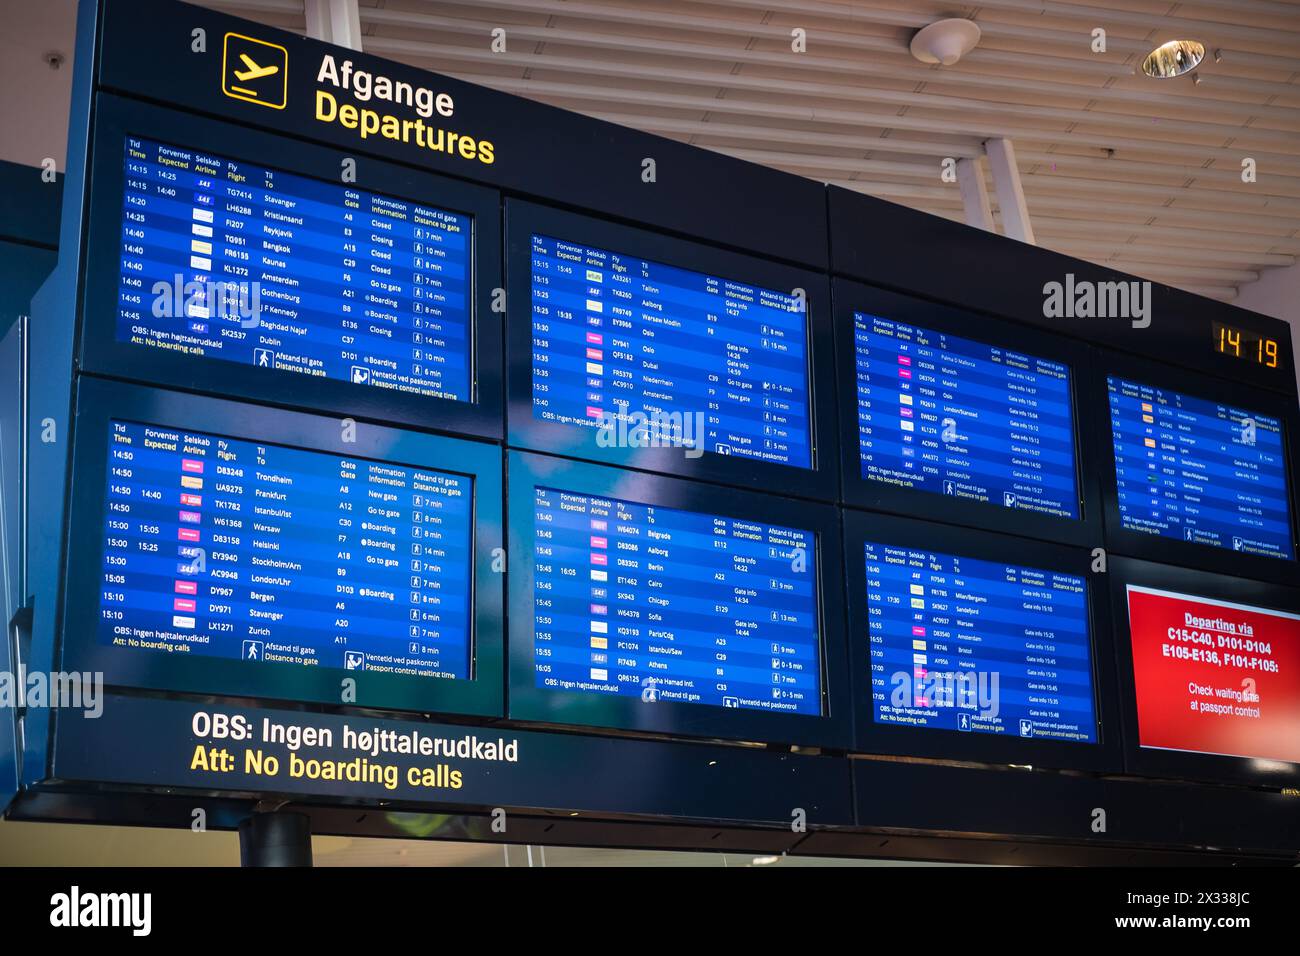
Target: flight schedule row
(978, 646)
(227, 260)
(616, 336)
(671, 605)
(956, 417)
(235, 549)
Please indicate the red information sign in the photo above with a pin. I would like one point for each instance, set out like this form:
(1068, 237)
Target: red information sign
(1215, 677)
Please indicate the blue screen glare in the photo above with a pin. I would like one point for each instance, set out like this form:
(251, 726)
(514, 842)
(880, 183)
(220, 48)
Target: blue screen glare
(978, 646)
(237, 549)
(226, 260)
(1199, 471)
(642, 601)
(955, 417)
(616, 337)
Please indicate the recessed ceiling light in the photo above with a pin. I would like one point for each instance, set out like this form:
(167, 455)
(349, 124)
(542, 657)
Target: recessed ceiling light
(766, 860)
(1173, 58)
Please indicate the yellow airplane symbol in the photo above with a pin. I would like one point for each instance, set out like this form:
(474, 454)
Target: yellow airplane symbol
(254, 72)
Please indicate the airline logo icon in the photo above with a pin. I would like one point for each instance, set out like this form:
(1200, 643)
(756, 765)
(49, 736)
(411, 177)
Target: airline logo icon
(192, 465)
(187, 534)
(600, 643)
(189, 481)
(182, 622)
(599, 673)
(194, 501)
(184, 604)
(599, 575)
(187, 587)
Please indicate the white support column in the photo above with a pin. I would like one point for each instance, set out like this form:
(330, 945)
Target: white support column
(974, 194)
(1011, 195)
(334, 21)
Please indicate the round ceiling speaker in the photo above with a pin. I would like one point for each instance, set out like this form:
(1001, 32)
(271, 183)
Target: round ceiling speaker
(945, 41)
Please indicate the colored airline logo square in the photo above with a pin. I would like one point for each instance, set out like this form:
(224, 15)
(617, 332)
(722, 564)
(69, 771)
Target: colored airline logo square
(255, 71)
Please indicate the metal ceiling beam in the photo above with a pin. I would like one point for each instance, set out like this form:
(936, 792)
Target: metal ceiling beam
(334, 21)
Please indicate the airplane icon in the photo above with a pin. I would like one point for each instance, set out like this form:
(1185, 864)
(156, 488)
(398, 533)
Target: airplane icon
(253, 71)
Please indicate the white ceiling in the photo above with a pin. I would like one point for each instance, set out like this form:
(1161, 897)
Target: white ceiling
(1141, 174)
(1119, 168)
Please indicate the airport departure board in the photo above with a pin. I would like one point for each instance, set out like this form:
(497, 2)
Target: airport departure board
(221, 259)
(956, 417)
(236, 549)
(624, 343)
(978, 646)
(671, 605)
(1200, 471)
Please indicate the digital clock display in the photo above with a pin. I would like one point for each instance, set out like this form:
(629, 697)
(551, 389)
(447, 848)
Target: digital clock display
(1245, 344)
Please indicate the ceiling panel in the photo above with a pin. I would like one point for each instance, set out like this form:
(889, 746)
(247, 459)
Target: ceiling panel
(1141, 174)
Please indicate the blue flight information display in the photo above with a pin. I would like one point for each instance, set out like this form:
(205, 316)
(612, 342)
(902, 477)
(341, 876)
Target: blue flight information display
(642, 601)
(266, 553)
(226, 260)
(978, 646)
(956, 417)
(1198, 470)
(621, 342)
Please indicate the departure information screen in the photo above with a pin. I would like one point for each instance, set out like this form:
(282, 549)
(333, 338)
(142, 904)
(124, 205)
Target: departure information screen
(1198, 470)
(955, 417)
(978, 646)
(1215, 677)
(663, 356)
(223, 259)
(265, 553)
(662, 604)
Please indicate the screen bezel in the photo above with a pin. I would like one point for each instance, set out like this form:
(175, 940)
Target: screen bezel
(99, 401)
(1185, 764)
(821, 481)
(100, 350)
(851, 297)
(1103, 756)
(529, 702)
(1158, 548)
